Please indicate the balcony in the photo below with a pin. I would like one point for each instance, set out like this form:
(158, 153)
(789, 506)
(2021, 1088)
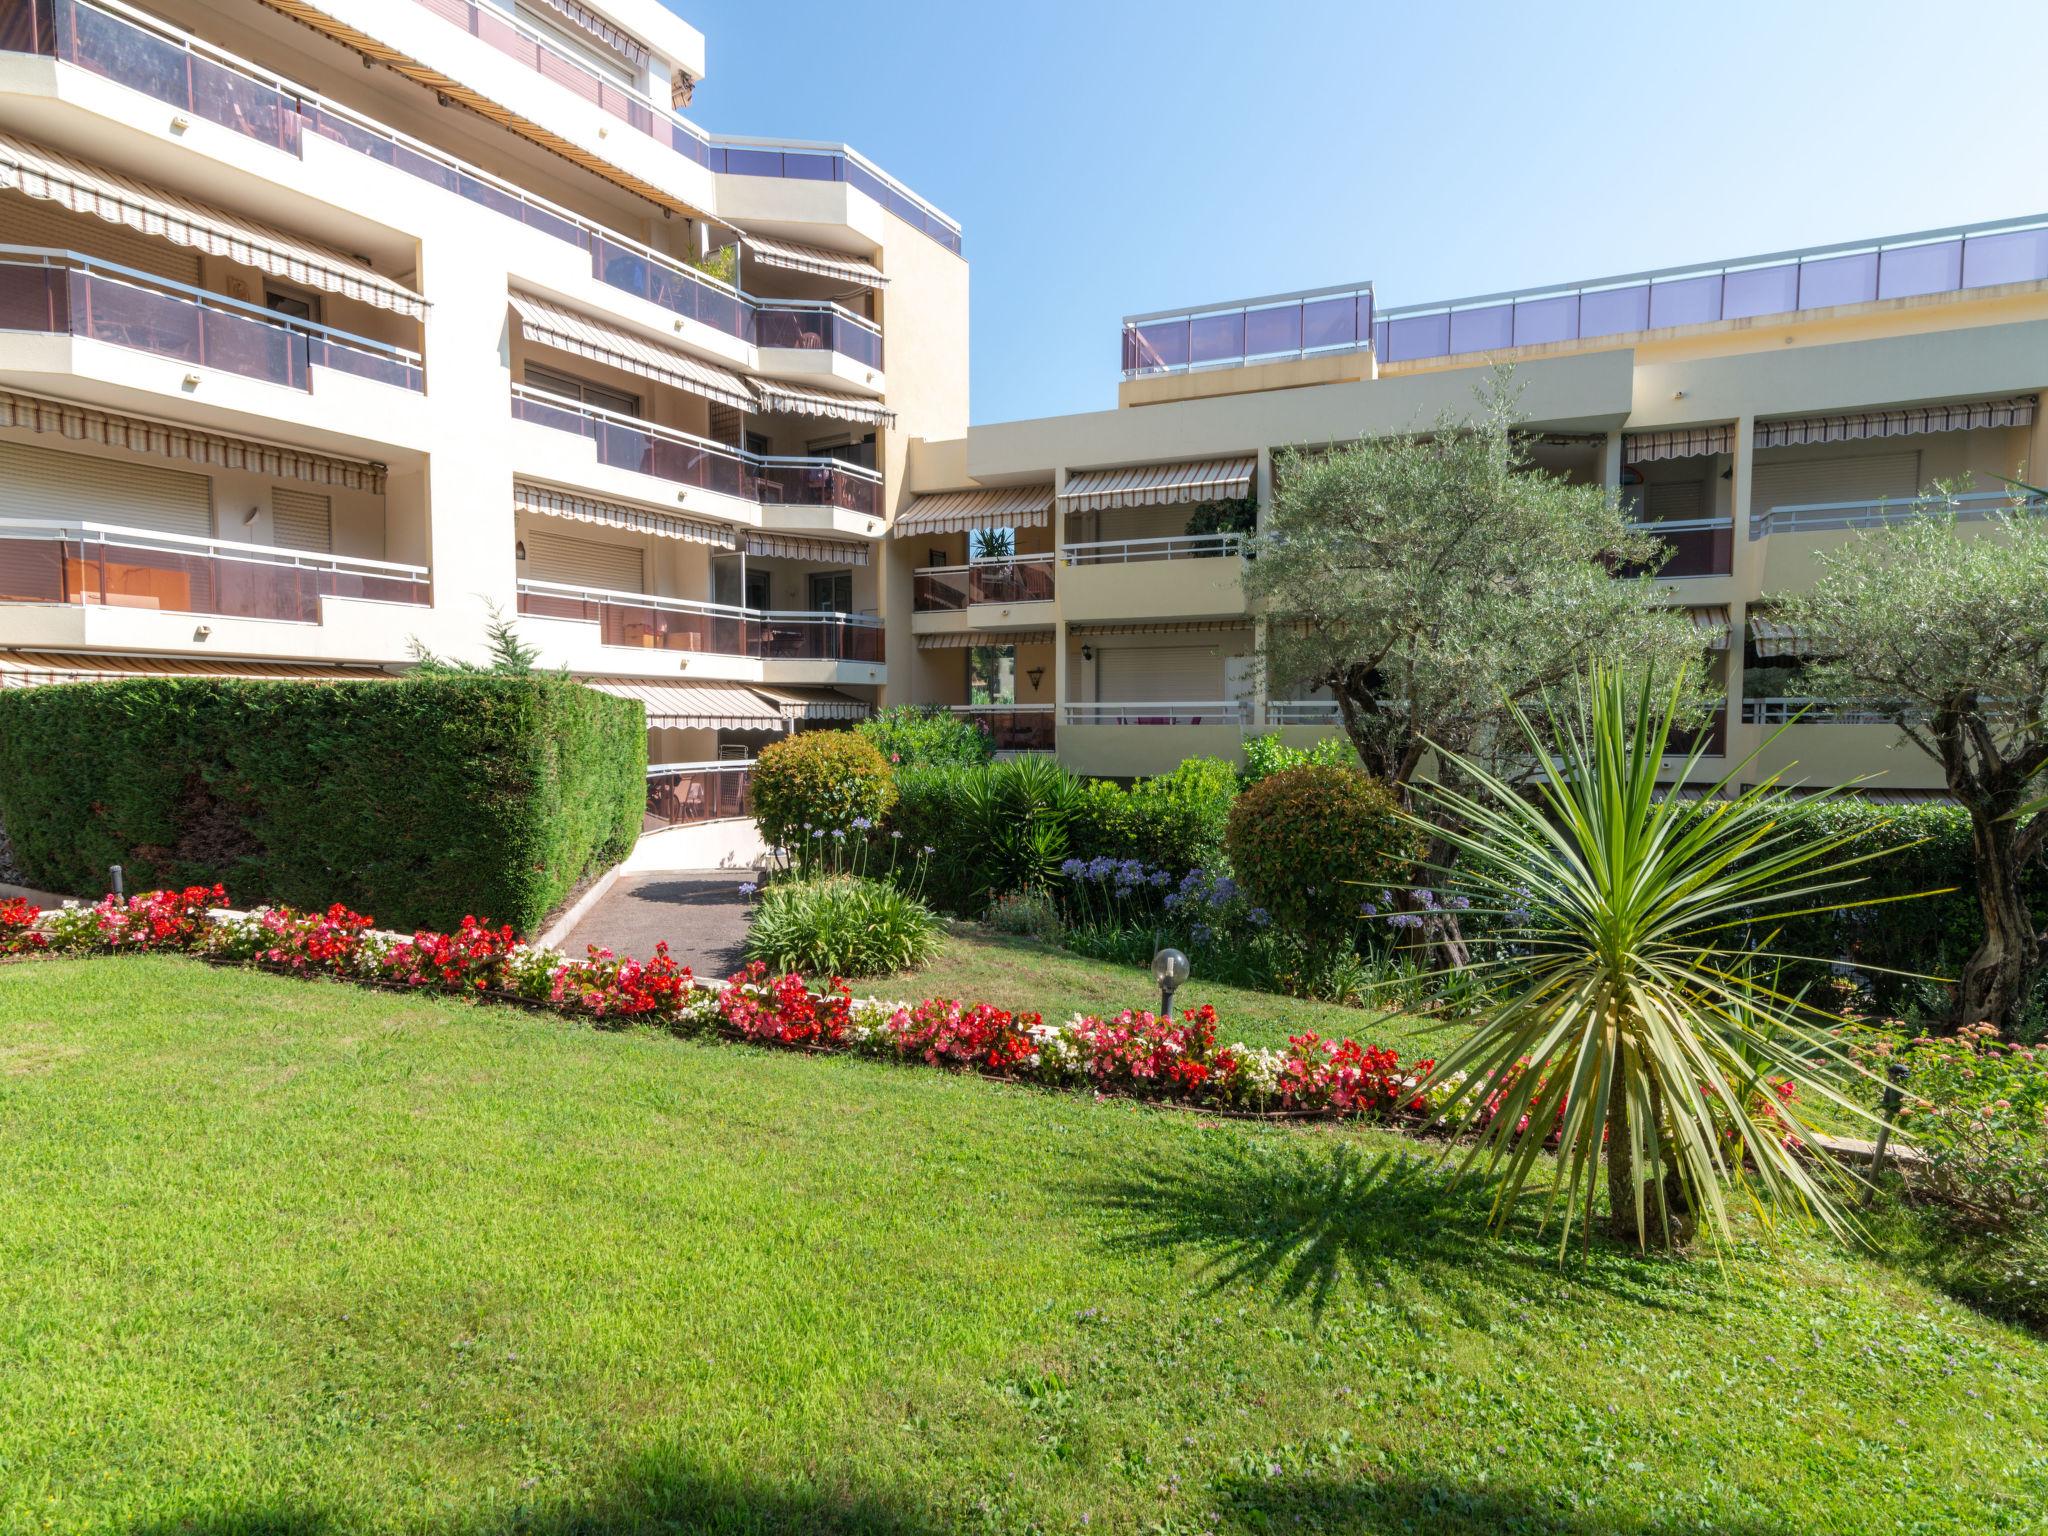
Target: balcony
(65, 294)
(1283, 328)
(1789, 711)
(951, 588)
(1699, 546)
(1199, 546)
(1012, 727)
(1227, 712)
(683, 794)
(1827, 516)
(626, 442)
(636, 621)
(100, 565)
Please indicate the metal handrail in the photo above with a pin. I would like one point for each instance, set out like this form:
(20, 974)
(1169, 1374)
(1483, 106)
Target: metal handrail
(690, 439)
(1302, 711)
(180, 543)
(1787, 711)
(1882, 512)
(1002, 709)
(114, 272)
(1207, 545)
(1080, 714)
(1683, 524)
(689, 605)
(719, 765)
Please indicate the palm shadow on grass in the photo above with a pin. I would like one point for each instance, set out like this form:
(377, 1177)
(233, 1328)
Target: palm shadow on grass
(1311, 1219)
(1408, 1505)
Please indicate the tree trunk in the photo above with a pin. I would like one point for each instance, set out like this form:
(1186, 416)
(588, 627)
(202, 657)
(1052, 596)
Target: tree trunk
(1666, 1223)
(1999, 978)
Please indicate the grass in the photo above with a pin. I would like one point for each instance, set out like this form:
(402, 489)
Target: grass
(285, 1257)
(978, 965)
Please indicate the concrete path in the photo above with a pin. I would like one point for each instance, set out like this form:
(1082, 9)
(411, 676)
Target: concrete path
(699, 912)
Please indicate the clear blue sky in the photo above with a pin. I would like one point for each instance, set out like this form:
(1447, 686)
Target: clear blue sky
(1111, 157)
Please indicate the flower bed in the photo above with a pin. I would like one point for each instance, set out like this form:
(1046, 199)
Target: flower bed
(1134, 1053)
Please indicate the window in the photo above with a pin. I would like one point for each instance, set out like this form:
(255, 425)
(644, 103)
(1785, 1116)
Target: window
(846, 450)
(554, 382)
(760, 444)
(757, 591)
(293, 303)
(831, 591)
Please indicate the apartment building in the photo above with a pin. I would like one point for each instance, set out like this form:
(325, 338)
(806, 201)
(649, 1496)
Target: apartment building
(329, 327)
(1752, 412)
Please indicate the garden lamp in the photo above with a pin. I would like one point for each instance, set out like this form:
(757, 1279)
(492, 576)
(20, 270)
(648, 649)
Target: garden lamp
(1169, 969)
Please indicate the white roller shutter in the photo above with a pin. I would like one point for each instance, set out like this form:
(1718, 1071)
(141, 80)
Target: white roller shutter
(1134, 675)
(302, 520)
(584, 563)
(1852, 477)
(72, 487)
(30, 221)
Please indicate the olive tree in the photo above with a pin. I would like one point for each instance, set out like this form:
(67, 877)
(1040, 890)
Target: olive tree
(1942, 627)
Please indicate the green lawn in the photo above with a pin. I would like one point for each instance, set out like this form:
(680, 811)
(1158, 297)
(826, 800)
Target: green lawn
(978, 965)
(286, 1257)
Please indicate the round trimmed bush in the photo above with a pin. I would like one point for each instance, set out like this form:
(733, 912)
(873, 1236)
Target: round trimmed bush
(821, 780)
(1311, 844)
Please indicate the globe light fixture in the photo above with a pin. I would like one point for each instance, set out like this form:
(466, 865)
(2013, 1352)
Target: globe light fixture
(1169, 969)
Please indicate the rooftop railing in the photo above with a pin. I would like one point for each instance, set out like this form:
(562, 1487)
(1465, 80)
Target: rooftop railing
(1266, 330)
(724, 155)
(1818, 516)
(628, 442)
(66, 293)
(682, 794)
(638, 621)
(105, 565)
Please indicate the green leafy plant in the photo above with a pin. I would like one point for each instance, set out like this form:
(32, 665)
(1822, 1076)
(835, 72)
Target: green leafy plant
(1234, 514)
(818, 783)
(1031, 913)
(1627, 1026)
(1267, 755)
(1014, 816)
(841, 926)
(911, 735)
(1313, 844)
(1180, 816)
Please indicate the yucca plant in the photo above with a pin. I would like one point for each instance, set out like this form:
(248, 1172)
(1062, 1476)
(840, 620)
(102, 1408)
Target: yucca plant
(1633, 1021)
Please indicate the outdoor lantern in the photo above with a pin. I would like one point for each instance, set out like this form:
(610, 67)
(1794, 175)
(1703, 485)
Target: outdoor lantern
(1169, 969)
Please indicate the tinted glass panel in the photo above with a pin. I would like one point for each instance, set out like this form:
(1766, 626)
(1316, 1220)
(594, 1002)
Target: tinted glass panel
(1413, 336)
(1216, 338)
(1268, 331)
(1329, 323)
(2021, 257)
(1760, 291)
(1688, 301)
(1614, 310)
(1916, 269)
(1481, 330)
(1838, 280)
(1540, 321)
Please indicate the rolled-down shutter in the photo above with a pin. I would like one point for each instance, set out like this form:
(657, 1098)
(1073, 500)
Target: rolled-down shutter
(1674, 501)
(74, 487)
(1852, 477)
(1136, 675)
(303, 520)
(30, 221)
(584, 563)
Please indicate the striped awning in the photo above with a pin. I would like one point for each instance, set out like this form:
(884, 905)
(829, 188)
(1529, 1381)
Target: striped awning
(1685, 443)
(1772, 638)
(970, 639)
(814, 259)
(29, 669)
(695, 706)
(1156, 485)
(778, 395)
(1854, 426)
(1165, 627)
(139, 434)
(553, 326)
(612, 514)
(103, 194)
(808, 704)
(1714, 625)
(795, 546)
(1014, 506)
(592, 25)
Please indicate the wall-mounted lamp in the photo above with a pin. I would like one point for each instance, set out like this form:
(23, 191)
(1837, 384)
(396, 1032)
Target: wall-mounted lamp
(1087, 653)
(202, 632)
(519, 549)
(249, 516)
(1037, 676)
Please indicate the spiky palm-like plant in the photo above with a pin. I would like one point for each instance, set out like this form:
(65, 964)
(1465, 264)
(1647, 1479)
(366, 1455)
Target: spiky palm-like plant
(1633, 1016)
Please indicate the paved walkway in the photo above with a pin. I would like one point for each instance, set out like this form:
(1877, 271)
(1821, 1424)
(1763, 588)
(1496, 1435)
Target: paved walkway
(699, 913)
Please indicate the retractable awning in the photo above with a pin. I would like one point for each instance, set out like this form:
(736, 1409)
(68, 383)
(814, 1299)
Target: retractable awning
(808, 704)
(1772, 638)
(621, 42)
(1685, 443)
(1156, 485)
(1855, 426)
(776, 395)
(1714, 625)
(815, 259)
(553, 326)
(30, 669)
(694, 706)
(103, 194)
(969, 639)
(794, 546)
(1015, 506)
(139, 434)
(611, 514)
(1166, 627)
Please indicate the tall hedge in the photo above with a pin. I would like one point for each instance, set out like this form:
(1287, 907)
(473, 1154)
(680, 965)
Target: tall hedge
(419, 801)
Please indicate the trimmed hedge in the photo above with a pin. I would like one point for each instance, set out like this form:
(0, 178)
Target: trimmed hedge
(819, 781)
(423, 799)
(1312, 844)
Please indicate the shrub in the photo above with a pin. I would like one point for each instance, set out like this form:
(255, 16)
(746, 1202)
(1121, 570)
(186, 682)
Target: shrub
(1297, 838)
(1267, 755)
(841, 927)
(1102, 822)
(1032, 913)
(927, 815)
(819, 781)
(914, 734)
(1180, 816)
(998, 827)
(424, 799)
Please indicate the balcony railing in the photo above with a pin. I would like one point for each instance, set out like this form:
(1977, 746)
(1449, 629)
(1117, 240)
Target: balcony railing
(1266, 330)
(1012, 727)
(1230, 712)
(1786, 711)
(66, 294)
(949, 588)
(727, 156)
(627, 442)
(1818, 516)
(682, 794)
(125, 45)
(1700, 546)
(640, 622)
(1191, 546)
(1714, 733)
(102, 565)
(1303, 712)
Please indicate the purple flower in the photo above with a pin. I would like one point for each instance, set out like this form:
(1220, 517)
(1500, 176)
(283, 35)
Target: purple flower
(1201, 933)
(1367, 909)
(861, 823)
(747, 887)
(1405, 920)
